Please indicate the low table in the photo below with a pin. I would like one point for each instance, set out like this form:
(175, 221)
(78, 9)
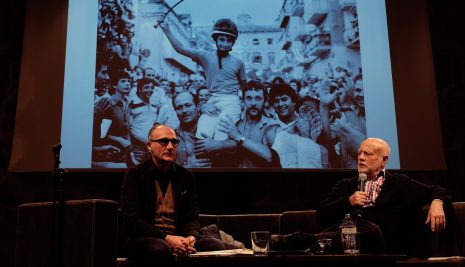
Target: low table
(287, 259)
(433, 262)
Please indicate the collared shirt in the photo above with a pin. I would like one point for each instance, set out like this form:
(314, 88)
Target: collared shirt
(289, 127)
(257, 133)
(118, 113)
(373, 187)
(224, 81)
(185, 149)
(144, 115)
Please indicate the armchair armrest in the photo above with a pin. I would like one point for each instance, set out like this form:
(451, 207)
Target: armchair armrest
(89, 235)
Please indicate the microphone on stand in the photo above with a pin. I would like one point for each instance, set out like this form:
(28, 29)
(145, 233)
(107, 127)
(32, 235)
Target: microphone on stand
(58, 209)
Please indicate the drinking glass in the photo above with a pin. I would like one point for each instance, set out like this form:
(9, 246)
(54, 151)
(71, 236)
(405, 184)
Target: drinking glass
(260, 242)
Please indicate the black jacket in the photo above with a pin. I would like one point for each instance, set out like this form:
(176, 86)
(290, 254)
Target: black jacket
(138, 198)
(399, 200)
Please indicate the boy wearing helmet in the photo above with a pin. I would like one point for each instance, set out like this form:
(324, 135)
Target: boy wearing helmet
(225, 75)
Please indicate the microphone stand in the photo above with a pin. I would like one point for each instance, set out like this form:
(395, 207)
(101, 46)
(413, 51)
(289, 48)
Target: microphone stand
(58, 208)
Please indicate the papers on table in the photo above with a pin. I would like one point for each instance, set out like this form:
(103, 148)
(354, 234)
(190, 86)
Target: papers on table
(445, 258)
(227, 252)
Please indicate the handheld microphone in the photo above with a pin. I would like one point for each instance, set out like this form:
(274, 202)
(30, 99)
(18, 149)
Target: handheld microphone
(362, 179)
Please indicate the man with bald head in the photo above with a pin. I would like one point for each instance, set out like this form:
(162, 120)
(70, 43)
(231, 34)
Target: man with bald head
(387, 204)
(159, 205)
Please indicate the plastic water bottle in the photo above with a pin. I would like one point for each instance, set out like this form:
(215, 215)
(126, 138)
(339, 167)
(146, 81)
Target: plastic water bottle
(349, 236)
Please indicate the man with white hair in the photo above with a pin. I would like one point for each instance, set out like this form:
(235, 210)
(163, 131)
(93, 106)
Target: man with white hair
(387, 203)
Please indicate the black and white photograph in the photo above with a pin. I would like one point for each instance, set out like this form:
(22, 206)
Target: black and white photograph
(245, 84)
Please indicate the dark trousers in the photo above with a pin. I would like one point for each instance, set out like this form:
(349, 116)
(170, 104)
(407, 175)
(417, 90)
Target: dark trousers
(371, 239)
(152, 251)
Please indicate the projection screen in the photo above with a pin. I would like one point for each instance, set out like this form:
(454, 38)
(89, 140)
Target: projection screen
(321, 48)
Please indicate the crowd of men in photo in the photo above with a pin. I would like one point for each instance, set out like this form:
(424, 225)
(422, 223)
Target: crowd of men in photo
(318, 130)
(245, 123)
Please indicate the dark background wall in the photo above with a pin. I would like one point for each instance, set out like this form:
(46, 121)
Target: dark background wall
(230, 192)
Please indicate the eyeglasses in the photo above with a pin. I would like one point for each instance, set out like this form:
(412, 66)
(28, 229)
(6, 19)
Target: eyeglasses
(166, 141)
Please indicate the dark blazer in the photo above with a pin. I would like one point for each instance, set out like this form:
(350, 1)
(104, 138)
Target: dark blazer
(399, 200)
(138, 198)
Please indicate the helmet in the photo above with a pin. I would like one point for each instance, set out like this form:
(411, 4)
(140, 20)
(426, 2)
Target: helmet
(226, 27)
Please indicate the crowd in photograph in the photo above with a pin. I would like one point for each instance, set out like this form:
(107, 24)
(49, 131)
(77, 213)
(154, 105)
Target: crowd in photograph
(284, 122)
